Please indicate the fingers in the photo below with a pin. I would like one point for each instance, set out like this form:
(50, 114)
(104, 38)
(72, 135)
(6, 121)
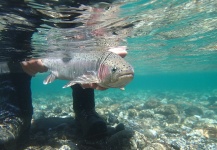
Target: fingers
(120, 50)
(123, 54)
(41, 66)
(100, 88)
(93, 86)
(33, 66)
(28, 69)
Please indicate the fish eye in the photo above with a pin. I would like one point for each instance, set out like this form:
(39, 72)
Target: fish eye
(114, 69)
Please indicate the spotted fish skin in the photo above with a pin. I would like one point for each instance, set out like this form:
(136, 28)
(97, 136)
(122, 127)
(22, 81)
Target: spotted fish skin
(107, 69)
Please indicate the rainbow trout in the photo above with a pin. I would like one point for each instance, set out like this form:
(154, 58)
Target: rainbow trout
(107, 69)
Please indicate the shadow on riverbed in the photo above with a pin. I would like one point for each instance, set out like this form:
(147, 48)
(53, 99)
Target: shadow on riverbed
(61, 133)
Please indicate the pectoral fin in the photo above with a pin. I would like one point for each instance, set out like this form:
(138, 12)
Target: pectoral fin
(84, 79)
(49, 79)
(122, 88)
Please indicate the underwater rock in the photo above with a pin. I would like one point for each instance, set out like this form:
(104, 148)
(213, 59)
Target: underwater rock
(166, 109)
(138, 141)
(50, 106)
(212, 100)
(113, 108)
(47, 148)
(212, 103)
(152, 103)
(146, 114)
(112, 119)
(39, 115)
(193, 110)
(190, 121)
(174, 118)
(198, 133)
(121, 140)
(67, 144)
(103, 112)
(100, 111)
(155, 146)
(155, 128)
(208, 113)
(178, 144)
(122, 115)
(210, 131)
(173, 129)
(105, 101)
(159, 117)
(204, 122)
(139, 107)
(161, 95)
(132, 113)
(65, 147)
(213, 107)
(150, 133)
(43, 107)
(57, 110)
(215, 117)
(129, 106)
(212, 146)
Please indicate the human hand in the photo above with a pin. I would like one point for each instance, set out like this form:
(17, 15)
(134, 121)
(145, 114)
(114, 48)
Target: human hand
(93, 86)
(33, 66)
(120, 50)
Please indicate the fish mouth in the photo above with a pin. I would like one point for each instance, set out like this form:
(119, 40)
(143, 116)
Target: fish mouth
(127, 75)
(121, 80)
(125, 78)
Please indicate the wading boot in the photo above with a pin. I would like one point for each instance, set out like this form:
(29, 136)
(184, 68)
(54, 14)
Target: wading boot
(90, 124)
(15, 110)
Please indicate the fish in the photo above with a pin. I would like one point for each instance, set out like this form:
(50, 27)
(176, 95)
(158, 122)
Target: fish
(104, 68)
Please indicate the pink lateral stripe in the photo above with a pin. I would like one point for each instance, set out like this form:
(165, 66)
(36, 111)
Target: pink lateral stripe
(103, 71)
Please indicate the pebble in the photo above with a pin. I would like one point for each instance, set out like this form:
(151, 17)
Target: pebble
(193, 110)
(146, 114)
(150, 133)
(155, 146)
(65, 147)
(174, 118)
(153, 103)
(157, 125)
(166, 110)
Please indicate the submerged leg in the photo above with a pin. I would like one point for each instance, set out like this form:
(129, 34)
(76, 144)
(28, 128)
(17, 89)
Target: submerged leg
(15, 109)
(90, 123)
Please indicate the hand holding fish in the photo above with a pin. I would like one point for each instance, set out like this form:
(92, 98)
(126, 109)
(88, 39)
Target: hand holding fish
(99, 70)
(120, 50)
(33, 66)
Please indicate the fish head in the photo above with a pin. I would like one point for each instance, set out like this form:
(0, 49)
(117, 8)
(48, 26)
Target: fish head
(115, 72)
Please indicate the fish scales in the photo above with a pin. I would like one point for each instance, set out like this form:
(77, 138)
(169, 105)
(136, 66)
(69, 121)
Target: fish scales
(76, 65)
(107, 69)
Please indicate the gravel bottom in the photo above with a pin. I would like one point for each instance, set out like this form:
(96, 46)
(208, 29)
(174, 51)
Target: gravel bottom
(153, 121)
